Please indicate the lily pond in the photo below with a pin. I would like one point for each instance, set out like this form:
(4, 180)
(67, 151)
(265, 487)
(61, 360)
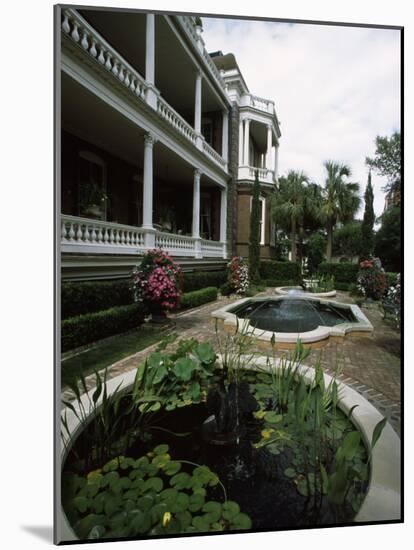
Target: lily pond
(205, 442)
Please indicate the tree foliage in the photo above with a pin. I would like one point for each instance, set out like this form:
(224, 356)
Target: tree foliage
(254, 245)
(387, 160)
(340, 200)
(288, 205)
(388, 240)
(367, 228)
(315, 251)
(347, 239)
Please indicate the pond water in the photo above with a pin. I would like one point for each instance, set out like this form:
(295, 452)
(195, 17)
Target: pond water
(292, 314)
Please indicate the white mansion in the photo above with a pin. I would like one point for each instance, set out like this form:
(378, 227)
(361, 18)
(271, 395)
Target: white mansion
(159, 144)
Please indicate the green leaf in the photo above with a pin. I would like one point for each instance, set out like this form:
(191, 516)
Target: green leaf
(160, 374)
(349, 447)
(212, 511)
(97, 532)
(145, 502)
(290, 472)
(153, 483)
(205, 352)
(230, 509)
(161, 449)
(184, 368)
(185, 519)
(180, 503)
(139, 522)
(201, 524)
(196, 502)
(181, 481)
(81, 503)
(241, 521)
(272, 418)
(377, 432)
(172, 467)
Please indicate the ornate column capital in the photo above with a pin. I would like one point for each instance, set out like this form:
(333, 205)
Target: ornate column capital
(197, 173)
(149, 139)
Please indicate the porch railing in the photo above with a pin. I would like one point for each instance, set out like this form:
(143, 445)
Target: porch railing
(79, 31)
(83, 236)
(248, 173)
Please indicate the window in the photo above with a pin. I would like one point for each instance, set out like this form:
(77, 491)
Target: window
(262, 218)
(205, 216)
(207, 130)
(92, 198)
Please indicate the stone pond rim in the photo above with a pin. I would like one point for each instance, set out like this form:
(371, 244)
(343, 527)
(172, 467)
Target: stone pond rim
(316, 338)
(383, 498)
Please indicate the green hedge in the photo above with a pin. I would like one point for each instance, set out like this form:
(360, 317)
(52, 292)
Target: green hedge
(343, 272)
(281, 271)
(84, 329)
(197, 280)
(80, 298)
(391, 278)
(198, 297)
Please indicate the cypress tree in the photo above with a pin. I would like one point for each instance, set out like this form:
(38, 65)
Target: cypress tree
(367, 227)
(254, 246)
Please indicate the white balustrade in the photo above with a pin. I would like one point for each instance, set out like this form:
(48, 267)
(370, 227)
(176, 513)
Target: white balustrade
(85, 235)
(172, 117)
(79, 31)
(249, 173)
(177, 245)
(211, 249)
(262, 104)
(212, 153)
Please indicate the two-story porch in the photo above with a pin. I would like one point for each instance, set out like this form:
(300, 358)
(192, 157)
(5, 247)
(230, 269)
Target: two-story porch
(144, 141)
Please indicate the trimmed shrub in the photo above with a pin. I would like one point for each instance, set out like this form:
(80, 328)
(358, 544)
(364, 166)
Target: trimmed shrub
(203, 279)
(343, 272)
(226, 289)
(282, 271)
(198, 297)
(391, 278)
(80, 298)
(84, 329)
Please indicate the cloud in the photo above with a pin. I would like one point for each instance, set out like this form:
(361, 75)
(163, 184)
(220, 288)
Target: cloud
(335, 88)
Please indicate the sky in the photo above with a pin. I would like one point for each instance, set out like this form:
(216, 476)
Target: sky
(335, 89)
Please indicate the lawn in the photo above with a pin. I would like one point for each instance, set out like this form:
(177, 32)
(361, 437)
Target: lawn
(109, 352)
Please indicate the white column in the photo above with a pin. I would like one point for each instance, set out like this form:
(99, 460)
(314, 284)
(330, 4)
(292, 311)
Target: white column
(225, 136)
(197, 108)
(151, 95)
(196, 214)
(150, 49)
(246, 142)
(241, 143)
(223, 221)
(276, 159)
(269, 148)
(147, 202)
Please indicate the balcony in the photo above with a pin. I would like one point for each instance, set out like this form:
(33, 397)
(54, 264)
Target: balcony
(248, 173)
(86, 236)
(83, 39)
(259, 103)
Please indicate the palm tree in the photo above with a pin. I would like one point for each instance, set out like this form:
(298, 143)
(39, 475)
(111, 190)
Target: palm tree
(340, 200)
(288, 205)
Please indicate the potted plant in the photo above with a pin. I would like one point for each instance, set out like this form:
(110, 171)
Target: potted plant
(92, 199)
(156, 283)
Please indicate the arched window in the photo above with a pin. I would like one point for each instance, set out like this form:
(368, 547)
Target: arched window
(92, 197)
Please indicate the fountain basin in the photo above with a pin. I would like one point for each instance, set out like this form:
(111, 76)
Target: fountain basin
(285, 320)
(287, 290)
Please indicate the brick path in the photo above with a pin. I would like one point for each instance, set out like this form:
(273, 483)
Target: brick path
(369, 365)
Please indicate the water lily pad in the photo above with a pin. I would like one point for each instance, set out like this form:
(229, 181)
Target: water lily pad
(212, 511)
(196, 502)
(181, 481)
(153, 483)
(180, 503)
(139, 522)
(172, 467)
(161, 449)
(230, 509)
(145, 502)
(184, 368)
(241, 521)
(81, 503)
(290, 472)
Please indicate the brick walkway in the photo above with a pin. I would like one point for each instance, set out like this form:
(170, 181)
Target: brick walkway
(369, 365)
